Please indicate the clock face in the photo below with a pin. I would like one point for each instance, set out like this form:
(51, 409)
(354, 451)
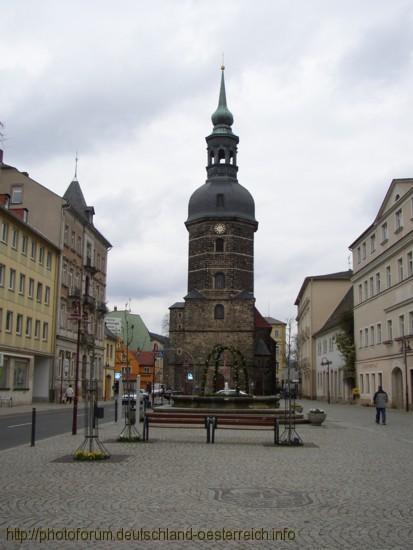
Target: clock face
(219, 228)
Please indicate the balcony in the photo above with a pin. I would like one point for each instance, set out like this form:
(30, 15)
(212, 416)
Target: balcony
(74, 292)
(89, 301)
(101, 308)
(89, 267)
(87, 340)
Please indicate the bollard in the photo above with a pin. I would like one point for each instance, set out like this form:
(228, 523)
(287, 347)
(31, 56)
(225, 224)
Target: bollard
(33, 427)
(116, 410)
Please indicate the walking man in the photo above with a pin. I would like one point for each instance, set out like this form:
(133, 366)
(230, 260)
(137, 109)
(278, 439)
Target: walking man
(380, 401)
(69, 394)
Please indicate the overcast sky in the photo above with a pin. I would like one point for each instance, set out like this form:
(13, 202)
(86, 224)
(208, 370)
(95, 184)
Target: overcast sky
(322, 96)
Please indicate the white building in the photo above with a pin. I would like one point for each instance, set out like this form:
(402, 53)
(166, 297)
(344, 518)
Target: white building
(334, 382)
(383, 298)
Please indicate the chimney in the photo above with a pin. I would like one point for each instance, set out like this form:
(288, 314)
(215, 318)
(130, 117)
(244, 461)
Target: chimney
(5, 200)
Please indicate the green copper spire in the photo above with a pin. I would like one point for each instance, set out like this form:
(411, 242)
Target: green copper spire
(222, 116)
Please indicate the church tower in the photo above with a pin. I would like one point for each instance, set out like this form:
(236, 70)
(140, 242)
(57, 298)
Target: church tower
(219, 307)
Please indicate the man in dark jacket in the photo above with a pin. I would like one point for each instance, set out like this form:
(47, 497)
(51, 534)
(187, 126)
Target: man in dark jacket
(380, 401)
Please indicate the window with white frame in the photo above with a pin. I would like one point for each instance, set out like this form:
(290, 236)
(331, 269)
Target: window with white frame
(37, 329)
(372, 336)
(363, 251)
(401, 325)
(390, 329)
(29, 327)
(388, 276)
(2, 274)
(9, 321)
(366, 337)
(366, 290)
(400, 269)
(5, 232)
(41, 255)
(33, 250)
(399, 220)
(360, 293)
(362, 383)
(39, 293)
(25, 242)
(409, 263)
(49, 261)
(21, 369)
(378, 283)
(358, 254)
(45, 331)
(16, 194)
(47, 295)
(373, 243)
(371, 281)
(12, 279)
(19, 324)
(22, 283)
(360, 338)
(14, 238)
(31, 288)
(384, 232)
(379, 333)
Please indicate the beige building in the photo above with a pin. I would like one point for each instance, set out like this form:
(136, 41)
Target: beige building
(109, 359)
(334, 382)
(29, 266)
(383, 298)
(68, 223)
(318, 297)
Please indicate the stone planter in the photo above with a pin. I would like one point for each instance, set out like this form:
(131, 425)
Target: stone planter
(316, 418)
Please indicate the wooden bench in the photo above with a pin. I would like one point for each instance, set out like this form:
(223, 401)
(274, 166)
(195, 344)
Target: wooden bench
(176, 420)
(245, 422)
(210, 422)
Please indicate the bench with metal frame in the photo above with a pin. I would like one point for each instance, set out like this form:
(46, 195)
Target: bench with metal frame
(176, 420)
(245, 422)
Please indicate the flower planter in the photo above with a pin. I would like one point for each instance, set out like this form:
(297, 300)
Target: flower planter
(316, 418)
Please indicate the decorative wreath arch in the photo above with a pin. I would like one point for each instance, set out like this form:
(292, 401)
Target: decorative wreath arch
(238, 362)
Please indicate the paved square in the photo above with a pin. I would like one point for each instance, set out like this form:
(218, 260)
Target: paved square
(353, 489)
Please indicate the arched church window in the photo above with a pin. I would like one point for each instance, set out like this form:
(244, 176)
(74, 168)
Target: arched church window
(219, 280)
(219, 245)
(219, 311)
(231, 158)
(211, 157)
(221, 156)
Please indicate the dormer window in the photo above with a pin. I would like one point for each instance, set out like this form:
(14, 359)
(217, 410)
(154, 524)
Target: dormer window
(16, 194)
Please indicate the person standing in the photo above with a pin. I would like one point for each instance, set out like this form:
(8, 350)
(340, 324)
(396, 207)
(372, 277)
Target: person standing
(380, 400)
(69, 394)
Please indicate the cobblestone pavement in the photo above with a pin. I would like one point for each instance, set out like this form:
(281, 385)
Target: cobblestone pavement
(351, 489)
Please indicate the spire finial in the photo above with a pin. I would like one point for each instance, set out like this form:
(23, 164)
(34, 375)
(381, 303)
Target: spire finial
(76, 159)
(222, 116)
(223, 63)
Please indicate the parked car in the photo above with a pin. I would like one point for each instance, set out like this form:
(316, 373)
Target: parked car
(231, 392)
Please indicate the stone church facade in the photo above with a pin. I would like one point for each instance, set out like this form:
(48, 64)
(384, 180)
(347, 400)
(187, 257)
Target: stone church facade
(219, 307)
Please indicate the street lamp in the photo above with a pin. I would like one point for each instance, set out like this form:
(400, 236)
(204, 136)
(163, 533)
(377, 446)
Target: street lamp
(405, 348)
(326, 363)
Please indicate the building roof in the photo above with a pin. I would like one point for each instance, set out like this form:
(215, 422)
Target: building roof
(336, 318)
(145, 358)
(339, 275)
(259, 320)
(177, 305)
(159, 337)
(16, 219)
(74, 196)
(273, 321)
(138, 337)
(109, 334)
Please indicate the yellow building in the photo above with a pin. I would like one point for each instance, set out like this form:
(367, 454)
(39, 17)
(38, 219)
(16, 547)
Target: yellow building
(278, 334)
(28, 286)
(109, 360)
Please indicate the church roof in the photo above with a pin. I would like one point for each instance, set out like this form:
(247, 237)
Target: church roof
(261, 348)
(259, 320)
(273, 321)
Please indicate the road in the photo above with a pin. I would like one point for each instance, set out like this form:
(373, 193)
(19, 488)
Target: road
(15, 428)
